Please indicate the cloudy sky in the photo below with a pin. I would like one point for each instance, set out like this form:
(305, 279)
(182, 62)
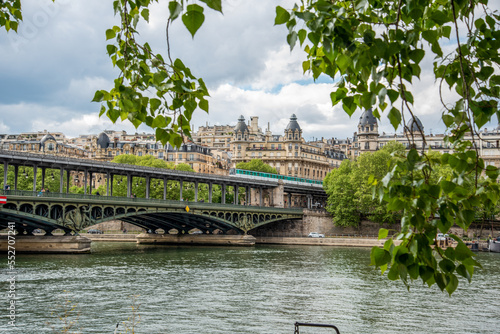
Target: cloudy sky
(52, 67)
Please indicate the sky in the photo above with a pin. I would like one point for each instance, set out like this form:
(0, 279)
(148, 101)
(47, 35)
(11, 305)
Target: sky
(51, 69)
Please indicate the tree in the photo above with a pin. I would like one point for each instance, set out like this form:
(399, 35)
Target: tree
(372, 49)
(256, 165)
(156, 189)
(26, 176)
(339, 188)
(349, 188)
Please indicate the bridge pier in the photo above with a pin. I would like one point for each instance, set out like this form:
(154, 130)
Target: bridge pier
(46, 244)
(196, 239)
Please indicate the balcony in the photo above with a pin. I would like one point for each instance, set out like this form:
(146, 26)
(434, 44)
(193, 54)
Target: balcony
(264, 149)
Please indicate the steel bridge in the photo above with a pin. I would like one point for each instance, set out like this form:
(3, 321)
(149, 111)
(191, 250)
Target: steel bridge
(88, 168)
(74, 212)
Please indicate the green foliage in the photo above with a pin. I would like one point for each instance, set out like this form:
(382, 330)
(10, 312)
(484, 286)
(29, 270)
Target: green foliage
(257, 165)
(138, 185)
(349, 188)
(10, 14)
(339, 189)
(26, 176)
(184, 167)
(152, 88)
(374, 50)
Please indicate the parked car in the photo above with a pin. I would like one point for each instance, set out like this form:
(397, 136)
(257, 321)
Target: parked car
(94, 231)
(316, 235)
(441, 236)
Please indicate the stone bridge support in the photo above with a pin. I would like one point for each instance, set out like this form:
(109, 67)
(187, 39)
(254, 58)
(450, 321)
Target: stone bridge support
(278, 194)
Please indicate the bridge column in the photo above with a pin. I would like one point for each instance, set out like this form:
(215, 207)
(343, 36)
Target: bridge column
(85, 182)
(68, 174)
(277, 195)
(165, 182)
(210, 189)
(223, 197)
(91, 185)
(5, 170)
(34, 177)
(109, 180)
(289, 200)
(148, 185)
(247, 196)
(236, 189)
(16, 172)
(129, 185)
(61, 179)
(196, 191)
(181, 186)
(43, 177)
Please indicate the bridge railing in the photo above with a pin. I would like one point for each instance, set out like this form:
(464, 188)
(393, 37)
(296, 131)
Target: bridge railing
(100, 198)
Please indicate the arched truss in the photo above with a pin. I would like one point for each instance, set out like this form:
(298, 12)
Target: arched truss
(71, 217)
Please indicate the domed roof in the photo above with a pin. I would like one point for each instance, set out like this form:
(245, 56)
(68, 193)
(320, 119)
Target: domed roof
(293, 124)
(367, 118)
(415, 125)
(48, 136)
(103, 140)
(241, 126)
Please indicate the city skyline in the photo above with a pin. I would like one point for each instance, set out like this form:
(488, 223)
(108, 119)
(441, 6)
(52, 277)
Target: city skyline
(56, 62)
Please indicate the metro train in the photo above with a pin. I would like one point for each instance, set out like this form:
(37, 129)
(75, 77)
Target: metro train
(250, 174)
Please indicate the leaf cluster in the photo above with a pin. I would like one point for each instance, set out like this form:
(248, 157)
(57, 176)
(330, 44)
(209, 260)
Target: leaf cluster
(374, 49)
(431, 205)
(10, 14)
(153, 89)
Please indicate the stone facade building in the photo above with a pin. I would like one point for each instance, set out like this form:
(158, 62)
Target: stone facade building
(289, 153)
(368, 139)
(36, 143)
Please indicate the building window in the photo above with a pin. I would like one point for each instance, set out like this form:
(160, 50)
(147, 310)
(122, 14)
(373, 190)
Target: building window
(140, 154)
(191, 157)
(180, 156)
(160, 155)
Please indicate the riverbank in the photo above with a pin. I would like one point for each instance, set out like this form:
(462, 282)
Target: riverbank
(333, 241)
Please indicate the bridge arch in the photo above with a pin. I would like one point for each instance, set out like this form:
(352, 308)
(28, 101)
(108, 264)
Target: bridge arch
(75, 214)
(42, 210)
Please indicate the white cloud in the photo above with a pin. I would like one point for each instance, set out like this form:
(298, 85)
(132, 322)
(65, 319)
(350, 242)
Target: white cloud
(50, 73)
(83, 124)
(4, 128)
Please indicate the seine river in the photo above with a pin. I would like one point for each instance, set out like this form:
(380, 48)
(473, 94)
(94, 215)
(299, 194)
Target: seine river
(265, 289)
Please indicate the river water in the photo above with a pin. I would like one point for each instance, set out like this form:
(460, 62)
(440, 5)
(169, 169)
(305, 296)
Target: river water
(264, 289)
